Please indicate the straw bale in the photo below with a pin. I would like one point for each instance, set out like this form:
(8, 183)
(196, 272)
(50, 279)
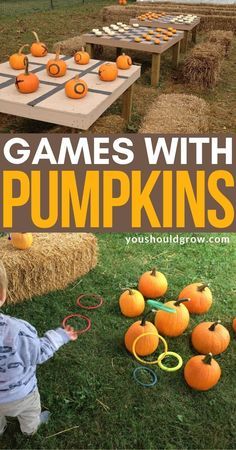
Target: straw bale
(176, 113)
(103, 124)
(211, 17)
(222, 38)
(54, 261)
(69, 46)
(202, 66)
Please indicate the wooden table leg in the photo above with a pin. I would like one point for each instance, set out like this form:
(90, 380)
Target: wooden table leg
(127, 104)
(90, 49)
(156, 64)
(176, 53)
(194, 35)
(185, 41)
(118, 51)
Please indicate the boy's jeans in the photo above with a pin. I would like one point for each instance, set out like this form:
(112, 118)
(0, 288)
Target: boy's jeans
(27, 411)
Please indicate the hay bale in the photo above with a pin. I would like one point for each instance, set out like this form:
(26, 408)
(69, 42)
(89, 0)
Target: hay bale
(202, 66)
(176, 113)
(69, 46)
(211, 18)
(222, 38)
(104, 123)
(54, 261)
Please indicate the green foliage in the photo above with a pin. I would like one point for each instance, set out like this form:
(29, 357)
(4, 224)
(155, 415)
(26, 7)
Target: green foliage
(89, 384)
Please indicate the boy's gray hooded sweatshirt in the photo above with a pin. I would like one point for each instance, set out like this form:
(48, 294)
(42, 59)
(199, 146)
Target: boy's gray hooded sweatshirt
(20, 351)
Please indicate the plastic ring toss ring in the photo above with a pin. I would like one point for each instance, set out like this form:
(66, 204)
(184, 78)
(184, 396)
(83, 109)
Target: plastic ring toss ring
(170, 369)
(145, 369)
(71, 316)
(95, 296)
(148, 334)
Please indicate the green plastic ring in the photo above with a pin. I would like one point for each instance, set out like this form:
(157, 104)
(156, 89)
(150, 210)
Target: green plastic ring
(170, 369)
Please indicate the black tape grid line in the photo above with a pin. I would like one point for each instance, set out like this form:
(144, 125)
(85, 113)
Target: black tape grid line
(62, 86)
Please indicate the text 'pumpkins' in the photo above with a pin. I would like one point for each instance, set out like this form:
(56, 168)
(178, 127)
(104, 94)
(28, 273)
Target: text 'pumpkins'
(21, 241)
(148, 344)
(210, 337)
(153, 284)
(27, 82)
(200, 297)
(17, 61)
(173, 325)
(108, 72)
(131, 303)
(202, 372)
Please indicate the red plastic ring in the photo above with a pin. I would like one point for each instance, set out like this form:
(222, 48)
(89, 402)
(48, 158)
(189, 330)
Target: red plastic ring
(96, 296)
(82, 317)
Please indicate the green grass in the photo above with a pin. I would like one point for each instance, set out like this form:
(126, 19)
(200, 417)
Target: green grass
(97, 368)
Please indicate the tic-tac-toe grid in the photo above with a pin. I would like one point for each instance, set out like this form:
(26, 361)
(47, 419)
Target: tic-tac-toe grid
(126, 40)
(50, 104)
(165, 22)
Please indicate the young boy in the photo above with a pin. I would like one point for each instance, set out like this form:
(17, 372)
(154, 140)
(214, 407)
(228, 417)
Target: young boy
(20, 351)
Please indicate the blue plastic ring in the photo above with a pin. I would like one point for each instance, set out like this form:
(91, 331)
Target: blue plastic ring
(147, 369)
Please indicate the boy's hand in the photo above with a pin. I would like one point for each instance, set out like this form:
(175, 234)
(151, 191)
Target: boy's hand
(71, 333)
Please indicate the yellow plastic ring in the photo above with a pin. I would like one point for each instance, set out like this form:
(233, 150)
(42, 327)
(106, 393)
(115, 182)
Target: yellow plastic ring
(149, 334)
(169, 369)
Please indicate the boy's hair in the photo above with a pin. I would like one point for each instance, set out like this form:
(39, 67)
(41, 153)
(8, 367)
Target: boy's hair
(3, 277)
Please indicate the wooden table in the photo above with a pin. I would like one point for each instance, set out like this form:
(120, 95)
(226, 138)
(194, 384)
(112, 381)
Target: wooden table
(50, 104)
(126, 41)
(165, 22)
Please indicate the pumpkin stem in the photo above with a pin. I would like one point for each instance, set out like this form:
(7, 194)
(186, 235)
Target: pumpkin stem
(143, 322)
(26, 66)
(36, 36)
(22, 48)
(154, 272)
(202, 287)
(213, 325)
(208, 359)
(57, 53)
(181, 300)
(82, 49)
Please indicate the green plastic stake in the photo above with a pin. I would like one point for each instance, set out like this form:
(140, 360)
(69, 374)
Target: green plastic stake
(159, 305)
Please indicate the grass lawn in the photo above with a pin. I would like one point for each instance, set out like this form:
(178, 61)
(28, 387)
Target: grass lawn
(96, 370)
(72, 18)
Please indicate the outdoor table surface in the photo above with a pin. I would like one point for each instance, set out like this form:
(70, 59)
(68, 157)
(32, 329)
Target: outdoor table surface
(126, 40)
(50, 103)
(165, 22)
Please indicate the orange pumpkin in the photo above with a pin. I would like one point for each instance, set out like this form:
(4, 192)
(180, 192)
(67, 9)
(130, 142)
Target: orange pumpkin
(157, 41)
(131, 303)
(153, 284)
(200, 297)
(21, 241)
(173, 325)
(17, 60)
(202, 372)
(108, 72)
(27, 82)
(82, 57)
(38, 48)
(148, 344)
(210, 337)
(124, 62)
(234, 324)
(76, 88)
(56, 67)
